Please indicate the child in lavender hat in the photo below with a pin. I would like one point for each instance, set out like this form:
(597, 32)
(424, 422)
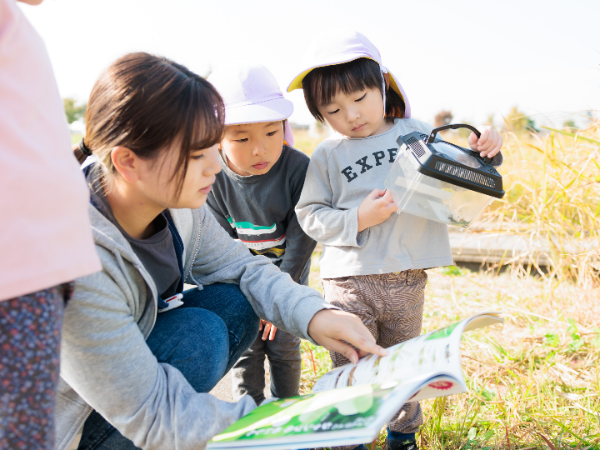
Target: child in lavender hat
(374, 261)
(254, 198)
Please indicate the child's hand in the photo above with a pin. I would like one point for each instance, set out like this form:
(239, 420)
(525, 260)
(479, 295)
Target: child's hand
(376, 208)
(270, 330)
(489, 144)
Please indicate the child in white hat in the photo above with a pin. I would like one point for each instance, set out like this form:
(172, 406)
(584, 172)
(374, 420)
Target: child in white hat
(253, 198)
(373, 260)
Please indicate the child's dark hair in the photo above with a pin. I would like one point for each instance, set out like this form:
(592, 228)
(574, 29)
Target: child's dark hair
(322, 84)
(146, 103)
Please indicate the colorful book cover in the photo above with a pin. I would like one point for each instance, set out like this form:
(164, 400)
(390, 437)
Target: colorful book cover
(350, 404)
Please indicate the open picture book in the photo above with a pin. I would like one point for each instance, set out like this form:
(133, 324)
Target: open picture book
(350, 404)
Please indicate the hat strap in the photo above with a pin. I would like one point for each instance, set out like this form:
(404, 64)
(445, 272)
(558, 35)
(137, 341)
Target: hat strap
(288, 136)
(383, 70)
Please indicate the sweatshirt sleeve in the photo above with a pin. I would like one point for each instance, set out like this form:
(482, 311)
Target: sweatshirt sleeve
(274, 296)
(316, 215)
(105, 359)
(299, 246)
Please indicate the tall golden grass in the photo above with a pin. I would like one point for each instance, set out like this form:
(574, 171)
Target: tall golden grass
(553, 198)
(552, 184)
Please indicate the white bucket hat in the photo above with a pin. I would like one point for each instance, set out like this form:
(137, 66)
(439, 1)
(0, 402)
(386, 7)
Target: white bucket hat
(251, 95)
(341, 46)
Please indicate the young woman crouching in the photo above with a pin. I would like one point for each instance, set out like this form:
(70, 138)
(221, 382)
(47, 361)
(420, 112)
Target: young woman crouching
(138, 354)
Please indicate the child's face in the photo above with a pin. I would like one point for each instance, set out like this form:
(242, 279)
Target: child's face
(253, 149)
(356, 115)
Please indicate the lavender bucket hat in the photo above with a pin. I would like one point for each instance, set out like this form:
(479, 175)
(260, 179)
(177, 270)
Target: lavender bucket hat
(341, 46)
(251, 95)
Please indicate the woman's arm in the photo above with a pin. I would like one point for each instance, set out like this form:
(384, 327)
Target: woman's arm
(105, 359)
(273, 295)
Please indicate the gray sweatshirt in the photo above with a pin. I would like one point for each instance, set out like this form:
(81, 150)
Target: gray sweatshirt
(259, 210)
(342, 172)
(105, 362)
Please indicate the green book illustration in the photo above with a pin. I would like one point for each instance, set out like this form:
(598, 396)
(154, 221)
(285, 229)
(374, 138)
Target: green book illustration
(350, 404)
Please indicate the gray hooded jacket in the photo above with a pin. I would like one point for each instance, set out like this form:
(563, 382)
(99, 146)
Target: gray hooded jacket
(105, 362)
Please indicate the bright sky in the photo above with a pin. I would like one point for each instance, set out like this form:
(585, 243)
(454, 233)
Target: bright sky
(473, 57)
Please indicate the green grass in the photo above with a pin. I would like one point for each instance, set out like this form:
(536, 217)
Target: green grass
(534, 382)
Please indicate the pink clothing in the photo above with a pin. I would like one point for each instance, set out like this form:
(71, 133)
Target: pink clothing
(45, 232)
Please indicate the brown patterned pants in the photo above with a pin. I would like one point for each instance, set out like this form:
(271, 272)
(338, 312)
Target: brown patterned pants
(391, 307)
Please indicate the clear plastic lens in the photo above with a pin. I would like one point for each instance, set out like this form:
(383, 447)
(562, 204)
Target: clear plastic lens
(457, 155)
(427, 197)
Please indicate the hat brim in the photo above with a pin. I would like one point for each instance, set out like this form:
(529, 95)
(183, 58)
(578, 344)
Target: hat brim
(297, 82)
(270, 110)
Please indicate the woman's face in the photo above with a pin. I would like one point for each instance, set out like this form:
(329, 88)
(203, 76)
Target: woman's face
(157, 183)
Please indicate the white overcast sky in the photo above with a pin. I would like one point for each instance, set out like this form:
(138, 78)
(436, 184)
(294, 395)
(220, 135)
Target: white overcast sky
(473, 57)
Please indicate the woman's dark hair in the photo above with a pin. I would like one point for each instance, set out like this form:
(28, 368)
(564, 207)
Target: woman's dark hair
(322, 84)
(147, 103)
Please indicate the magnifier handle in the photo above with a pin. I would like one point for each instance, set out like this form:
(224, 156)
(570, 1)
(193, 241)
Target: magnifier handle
(452, 126)
(485, 159)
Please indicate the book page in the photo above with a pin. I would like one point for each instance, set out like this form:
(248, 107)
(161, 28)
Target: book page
(438, 387)
(419, 358)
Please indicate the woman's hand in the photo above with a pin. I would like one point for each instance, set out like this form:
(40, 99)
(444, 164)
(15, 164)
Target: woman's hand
(329, 327)
(376, 208)
(489, 144)
(270, 330)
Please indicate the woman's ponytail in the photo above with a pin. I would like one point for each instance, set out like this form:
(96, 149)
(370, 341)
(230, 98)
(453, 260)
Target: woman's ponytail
(81, 151)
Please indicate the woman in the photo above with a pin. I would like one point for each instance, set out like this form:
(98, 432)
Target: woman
(153, 127)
